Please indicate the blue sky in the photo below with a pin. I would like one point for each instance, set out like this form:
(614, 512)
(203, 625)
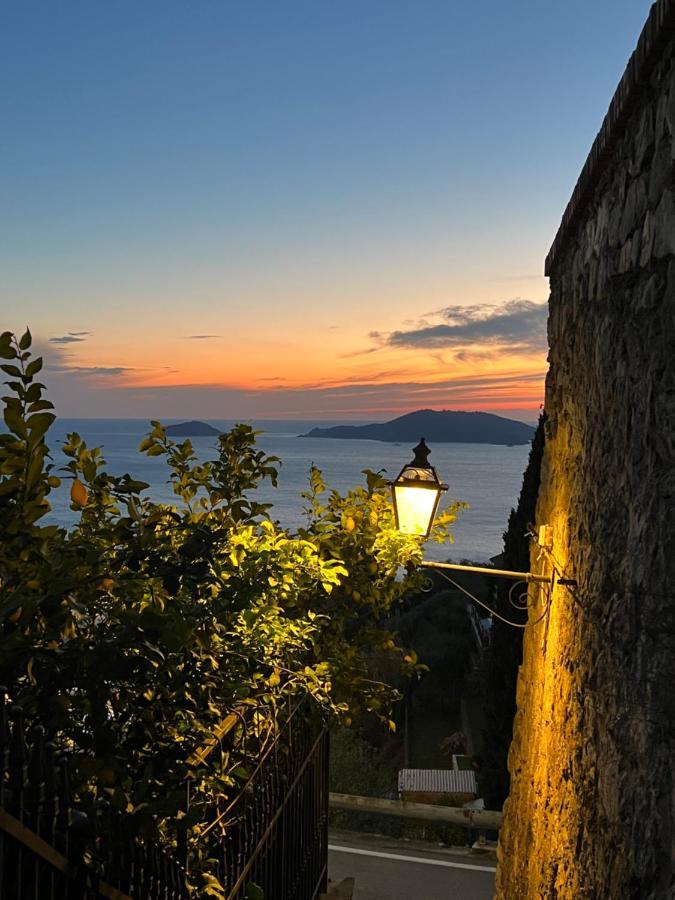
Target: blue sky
(288, 176)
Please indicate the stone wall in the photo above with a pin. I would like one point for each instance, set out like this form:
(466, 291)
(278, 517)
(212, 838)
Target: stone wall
(506, 643)
(591, 813)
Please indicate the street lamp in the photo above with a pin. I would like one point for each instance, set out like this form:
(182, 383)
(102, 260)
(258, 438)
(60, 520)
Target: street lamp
(416, 493)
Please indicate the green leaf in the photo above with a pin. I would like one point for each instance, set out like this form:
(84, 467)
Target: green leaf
(25, 341)
(34, 367)
(38, 405)
(39, 423)
(14, 421)
(34, 470)
(374, 480)
(7, 351)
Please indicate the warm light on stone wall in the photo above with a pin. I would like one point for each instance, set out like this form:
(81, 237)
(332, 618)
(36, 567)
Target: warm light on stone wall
(590, 814)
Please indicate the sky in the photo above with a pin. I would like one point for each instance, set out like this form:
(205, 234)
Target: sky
(300, 209)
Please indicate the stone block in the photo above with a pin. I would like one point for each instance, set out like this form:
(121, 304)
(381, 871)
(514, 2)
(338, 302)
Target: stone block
(634, 208)
(644, 143)
(662, 127)
(669, 297)
(601, 227)
(661, 173)
(670, 106)
(613, 223)
(635, 250)
(650, 295)
(664, 226)
(647, 241)
(625, 264)
(592, 280)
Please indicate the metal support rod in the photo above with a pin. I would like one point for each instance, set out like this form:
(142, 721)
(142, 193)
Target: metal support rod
(529, 577)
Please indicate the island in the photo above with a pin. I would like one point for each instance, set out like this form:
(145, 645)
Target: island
(192, 429)
(439, 426)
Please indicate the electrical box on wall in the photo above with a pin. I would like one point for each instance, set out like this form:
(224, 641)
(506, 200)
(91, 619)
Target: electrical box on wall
(545, 538)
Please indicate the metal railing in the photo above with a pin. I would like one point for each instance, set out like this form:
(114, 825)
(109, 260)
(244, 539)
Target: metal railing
(274, 833)
(49, 849)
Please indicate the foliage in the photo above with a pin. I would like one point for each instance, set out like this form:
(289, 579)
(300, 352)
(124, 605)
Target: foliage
(356, 767)
(132, 635)
(440, 632)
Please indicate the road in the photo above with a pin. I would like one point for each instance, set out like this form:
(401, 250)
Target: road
(388, 869)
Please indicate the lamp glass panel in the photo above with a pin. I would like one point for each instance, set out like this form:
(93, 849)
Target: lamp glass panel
(415, 507)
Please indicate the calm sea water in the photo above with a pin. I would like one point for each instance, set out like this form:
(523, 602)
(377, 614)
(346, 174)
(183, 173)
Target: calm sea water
(485, 476)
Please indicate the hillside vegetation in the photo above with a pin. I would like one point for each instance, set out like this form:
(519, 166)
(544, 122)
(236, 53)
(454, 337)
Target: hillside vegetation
(444, 426)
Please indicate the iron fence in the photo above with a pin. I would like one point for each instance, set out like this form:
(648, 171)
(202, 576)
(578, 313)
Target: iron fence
(49, 849)
(274, 834)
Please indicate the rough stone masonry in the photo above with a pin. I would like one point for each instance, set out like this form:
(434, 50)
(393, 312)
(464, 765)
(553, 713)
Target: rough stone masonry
(591, 811)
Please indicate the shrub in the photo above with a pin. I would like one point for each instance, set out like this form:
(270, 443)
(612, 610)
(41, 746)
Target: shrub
(131, 635)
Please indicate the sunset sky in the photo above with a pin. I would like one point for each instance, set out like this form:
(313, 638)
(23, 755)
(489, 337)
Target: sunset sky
(294, 208)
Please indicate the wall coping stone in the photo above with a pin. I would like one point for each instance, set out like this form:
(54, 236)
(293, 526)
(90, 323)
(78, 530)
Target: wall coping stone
(657, 32)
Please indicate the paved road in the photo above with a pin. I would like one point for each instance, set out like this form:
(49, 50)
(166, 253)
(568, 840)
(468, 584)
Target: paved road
(387, 869)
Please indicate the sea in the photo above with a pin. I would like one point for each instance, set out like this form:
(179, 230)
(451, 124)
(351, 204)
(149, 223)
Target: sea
(487, 477)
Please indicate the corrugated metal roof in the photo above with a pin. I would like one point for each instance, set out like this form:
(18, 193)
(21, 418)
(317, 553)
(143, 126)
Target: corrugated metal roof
(437, 781)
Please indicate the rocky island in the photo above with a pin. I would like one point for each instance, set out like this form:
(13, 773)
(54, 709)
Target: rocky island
(192, 429)
(439, 426)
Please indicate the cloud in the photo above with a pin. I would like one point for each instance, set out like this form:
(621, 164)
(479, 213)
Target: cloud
(373, 401)
(109, 371)
(60, 360)
(62, 366)
(516, 326)
(73, 337)
(202, 337)
(474, 356)
(107, 390)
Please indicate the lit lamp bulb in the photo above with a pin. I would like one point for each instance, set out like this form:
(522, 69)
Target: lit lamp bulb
(416, 494)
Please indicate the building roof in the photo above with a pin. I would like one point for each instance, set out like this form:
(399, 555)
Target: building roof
(437, 781)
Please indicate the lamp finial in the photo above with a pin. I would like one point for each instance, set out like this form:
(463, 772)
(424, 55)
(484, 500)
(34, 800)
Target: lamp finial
(421, 451)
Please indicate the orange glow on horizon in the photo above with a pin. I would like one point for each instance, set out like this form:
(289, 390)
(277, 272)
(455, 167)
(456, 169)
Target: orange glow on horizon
(296, 371)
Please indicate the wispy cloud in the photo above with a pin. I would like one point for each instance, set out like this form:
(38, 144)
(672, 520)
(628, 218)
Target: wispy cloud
(86, 388)
(499, 392)
(202, 337)
(72, 337)
(60, 360)
(62, 365)
(106, 371)
(516, 326)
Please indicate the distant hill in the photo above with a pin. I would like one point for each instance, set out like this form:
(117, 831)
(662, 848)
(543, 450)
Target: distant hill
(192, 429)
(444, 426)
